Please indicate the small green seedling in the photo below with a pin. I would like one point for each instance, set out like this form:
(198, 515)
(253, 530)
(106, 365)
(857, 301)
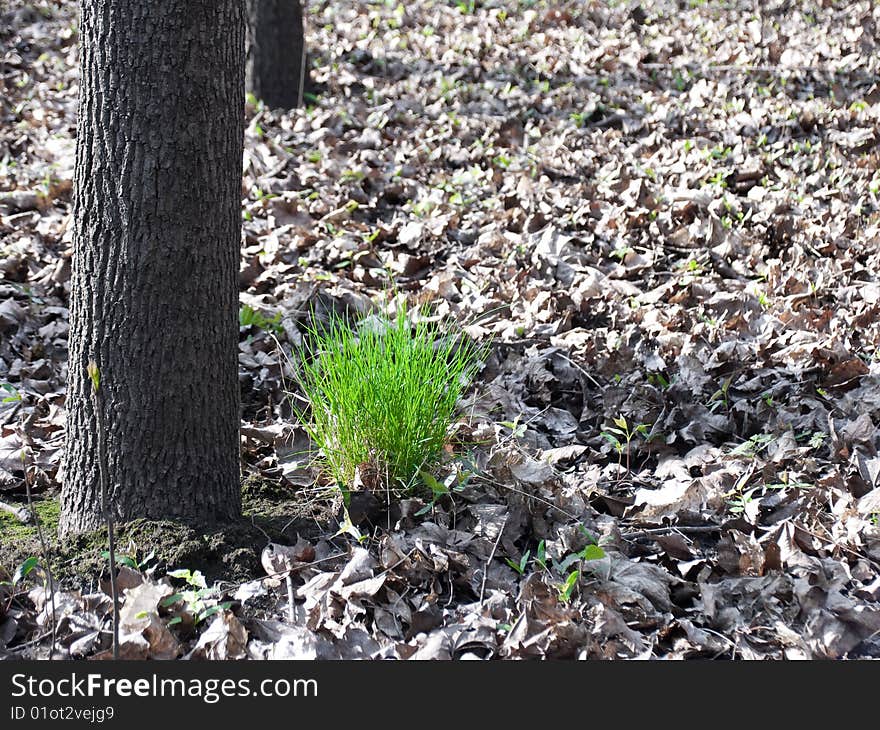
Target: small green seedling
(719, 397)
(130, 561)
(566, 588)
(541, 555)
(199, 600)
(347, 527)
(438, 489)
(455, 482)
(523, 563)
(250, 317)
(659, 380)
(592, 552)
(24, 569)
(739, 502)
(13, 397)
(754, 445)
(622, 430)
(517, 429)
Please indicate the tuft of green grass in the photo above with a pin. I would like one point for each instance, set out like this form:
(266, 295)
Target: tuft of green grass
(383, 396)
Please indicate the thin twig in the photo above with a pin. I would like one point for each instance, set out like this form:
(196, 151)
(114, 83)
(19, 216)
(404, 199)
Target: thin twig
(302, 70)
(32, 642)
(531, 496)
(578, 367)
(297, 568)
(833, 544)
(277, 575)
(684, 530)
(491, 557)
(399, 562)
(95, 376)
(265, 534)
(43, 546)
(288, 582)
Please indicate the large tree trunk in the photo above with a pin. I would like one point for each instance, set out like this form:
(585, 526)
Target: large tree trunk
(276, 53)
(154, 297)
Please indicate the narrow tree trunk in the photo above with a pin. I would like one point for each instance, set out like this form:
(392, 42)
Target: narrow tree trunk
(154, 295)
(276, 57)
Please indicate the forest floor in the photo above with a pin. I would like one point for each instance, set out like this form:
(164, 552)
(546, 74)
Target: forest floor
(664, 216)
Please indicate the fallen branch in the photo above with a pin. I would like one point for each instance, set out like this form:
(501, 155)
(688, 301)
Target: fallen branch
(684, 530)
(22, 514)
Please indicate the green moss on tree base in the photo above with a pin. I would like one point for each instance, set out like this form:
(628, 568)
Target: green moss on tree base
(230, 551)
(48, 512)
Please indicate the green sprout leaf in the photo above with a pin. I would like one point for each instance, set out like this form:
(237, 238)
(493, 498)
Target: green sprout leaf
(171, 600)
(437, 489)
(13, 397)
(94, 374)
(541, 555)
(126, 560)
(22, 571)
(592, 552)
(567, 588)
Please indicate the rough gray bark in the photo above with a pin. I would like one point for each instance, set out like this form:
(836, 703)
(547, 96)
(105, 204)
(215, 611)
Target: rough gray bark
(154, 298)
(276, 55)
